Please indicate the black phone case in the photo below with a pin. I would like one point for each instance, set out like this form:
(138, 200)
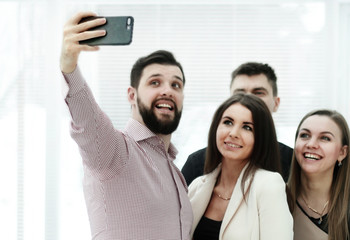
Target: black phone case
(118, 31)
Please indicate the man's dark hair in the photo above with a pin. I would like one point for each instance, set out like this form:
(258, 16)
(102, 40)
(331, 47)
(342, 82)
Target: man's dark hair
(160, 57)
(255, 68)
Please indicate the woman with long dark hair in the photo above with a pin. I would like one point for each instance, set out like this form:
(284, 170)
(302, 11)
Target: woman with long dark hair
(242, 194)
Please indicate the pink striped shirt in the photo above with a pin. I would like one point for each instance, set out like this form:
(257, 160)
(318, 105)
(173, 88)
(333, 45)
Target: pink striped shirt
(132, 188)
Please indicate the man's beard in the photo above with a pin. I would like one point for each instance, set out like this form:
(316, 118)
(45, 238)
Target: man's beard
(156, 125)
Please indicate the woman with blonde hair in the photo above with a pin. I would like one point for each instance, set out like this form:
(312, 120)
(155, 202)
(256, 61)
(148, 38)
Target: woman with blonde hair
(319, 182)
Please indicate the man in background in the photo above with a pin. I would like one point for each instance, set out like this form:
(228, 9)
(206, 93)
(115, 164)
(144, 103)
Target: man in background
(251, 78)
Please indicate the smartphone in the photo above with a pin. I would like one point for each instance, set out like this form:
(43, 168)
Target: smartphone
(118, 31)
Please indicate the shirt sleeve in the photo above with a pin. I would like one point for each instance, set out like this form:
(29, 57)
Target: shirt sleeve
(275, 219)
(100, 145)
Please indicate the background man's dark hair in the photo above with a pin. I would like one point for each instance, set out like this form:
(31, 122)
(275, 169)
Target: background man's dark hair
(161, 57)
(255, 68)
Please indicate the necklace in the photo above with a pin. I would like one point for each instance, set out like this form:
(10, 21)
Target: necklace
(314, 210)
(217, 194)
(223, 198)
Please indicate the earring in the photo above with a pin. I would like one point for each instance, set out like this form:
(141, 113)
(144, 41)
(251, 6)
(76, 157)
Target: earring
(339, 164)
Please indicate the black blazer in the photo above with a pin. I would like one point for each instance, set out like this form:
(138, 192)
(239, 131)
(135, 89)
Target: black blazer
(194, 165)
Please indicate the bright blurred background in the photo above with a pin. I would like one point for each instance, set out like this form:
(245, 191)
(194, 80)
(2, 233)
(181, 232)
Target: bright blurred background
(307, 43)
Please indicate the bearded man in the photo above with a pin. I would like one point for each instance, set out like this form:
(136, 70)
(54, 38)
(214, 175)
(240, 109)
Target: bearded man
(132, 188)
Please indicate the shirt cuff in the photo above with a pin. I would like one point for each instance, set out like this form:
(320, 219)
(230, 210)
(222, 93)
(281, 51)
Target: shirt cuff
(72, 83)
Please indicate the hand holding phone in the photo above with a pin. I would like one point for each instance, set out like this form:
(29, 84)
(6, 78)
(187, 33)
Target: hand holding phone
(118, 31)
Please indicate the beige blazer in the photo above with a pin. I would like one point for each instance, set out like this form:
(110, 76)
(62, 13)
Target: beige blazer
(264, 216)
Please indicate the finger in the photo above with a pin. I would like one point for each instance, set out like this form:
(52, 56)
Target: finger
(90, 24)
(89, 48)
(76, 18)
(72, 25)
(88, 35)
(85, 47)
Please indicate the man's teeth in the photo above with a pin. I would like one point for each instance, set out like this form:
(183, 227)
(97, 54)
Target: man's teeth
(312, 156)
(233, 145)
(164, 105)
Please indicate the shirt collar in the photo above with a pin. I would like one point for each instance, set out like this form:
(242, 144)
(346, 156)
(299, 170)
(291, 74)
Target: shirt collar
(140, 132)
